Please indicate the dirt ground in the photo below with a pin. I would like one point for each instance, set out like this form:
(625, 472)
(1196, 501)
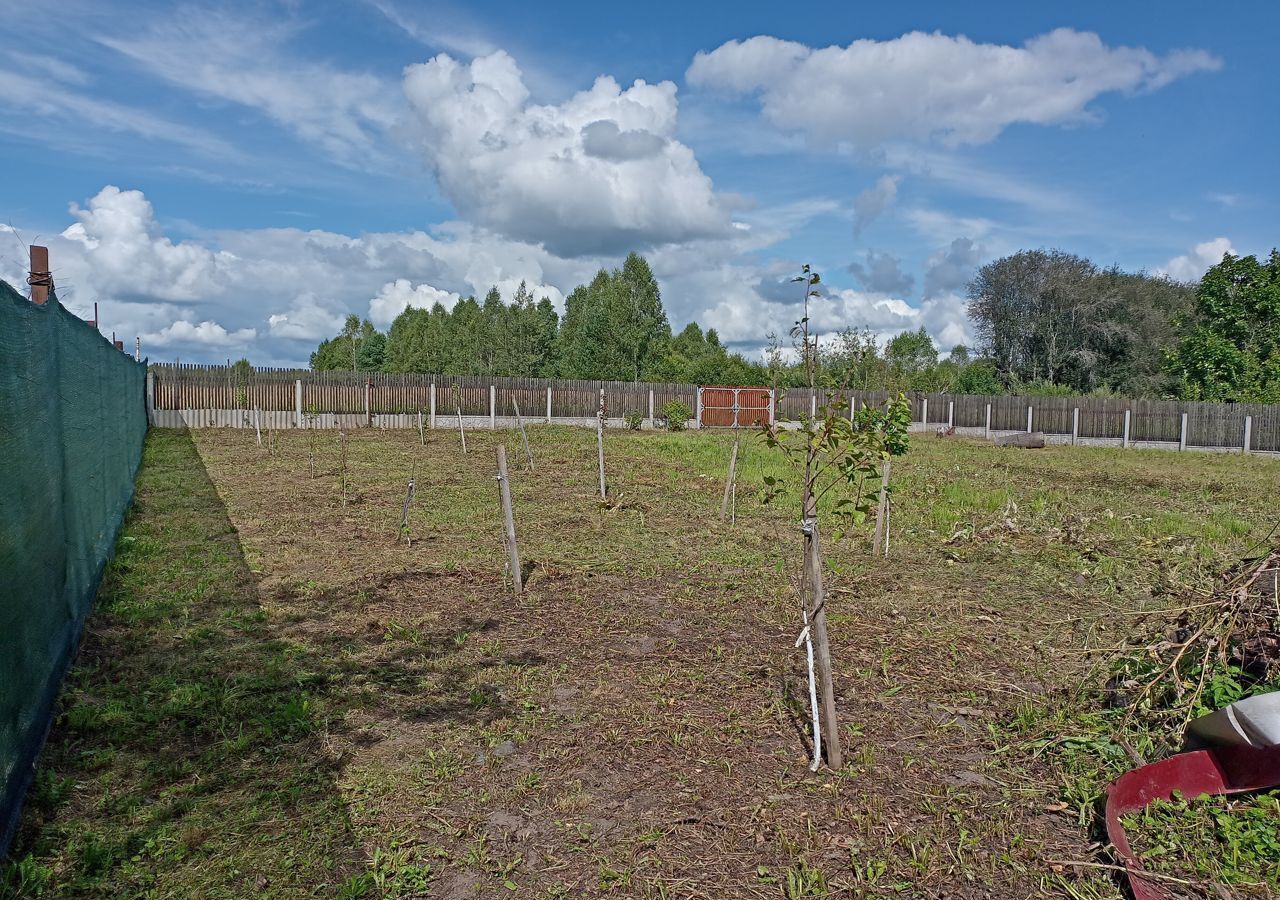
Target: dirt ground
(635, 723)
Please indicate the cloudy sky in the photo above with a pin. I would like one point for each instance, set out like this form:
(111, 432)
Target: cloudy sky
(232, 180)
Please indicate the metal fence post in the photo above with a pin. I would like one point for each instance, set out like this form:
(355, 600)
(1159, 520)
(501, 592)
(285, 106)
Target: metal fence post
(493, 408)
(1182, 435)
(1248, 433)
(1125, 441)
(1075, 425)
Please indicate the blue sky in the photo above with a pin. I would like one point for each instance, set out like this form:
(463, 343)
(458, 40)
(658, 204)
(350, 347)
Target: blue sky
(233, 179)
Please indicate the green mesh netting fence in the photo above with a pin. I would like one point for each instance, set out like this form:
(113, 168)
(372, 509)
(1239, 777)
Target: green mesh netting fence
(72, 421)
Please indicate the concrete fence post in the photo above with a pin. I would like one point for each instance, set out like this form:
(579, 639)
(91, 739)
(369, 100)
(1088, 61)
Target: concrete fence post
(1075, 425)
(697, 414)
(650, 407)
(813, 404)
(1248, 433)
(1030, 415)
(988, 420)
(1182, 434)
(432, 402)
(493, 408)
(548, 404)
(951, 413)
(1125, 440)
(853, 403)
(151, 401)
(368, 402)
(924, 413)
(297, 402)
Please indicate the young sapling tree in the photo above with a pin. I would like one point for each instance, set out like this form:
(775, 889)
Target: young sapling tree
(840, 456)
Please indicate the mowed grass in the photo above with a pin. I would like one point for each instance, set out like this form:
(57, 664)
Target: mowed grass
(279, 698)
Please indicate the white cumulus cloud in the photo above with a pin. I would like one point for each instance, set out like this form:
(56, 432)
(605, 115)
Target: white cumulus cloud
(601, 172)
(397, 296)
(1192, 265)
(128, 256)
(933, 86)
(205, 334)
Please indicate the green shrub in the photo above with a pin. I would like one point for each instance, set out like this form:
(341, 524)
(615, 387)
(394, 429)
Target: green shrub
(634, 420)
(677, 414)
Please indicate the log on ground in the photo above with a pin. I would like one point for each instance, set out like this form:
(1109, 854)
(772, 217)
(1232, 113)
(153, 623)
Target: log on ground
(1032, 440)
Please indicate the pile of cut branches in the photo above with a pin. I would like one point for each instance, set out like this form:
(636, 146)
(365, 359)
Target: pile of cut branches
(1204, 653)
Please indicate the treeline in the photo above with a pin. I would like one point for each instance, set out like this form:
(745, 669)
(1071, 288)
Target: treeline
(613, 329)
(1057, 320)
(1047, 322)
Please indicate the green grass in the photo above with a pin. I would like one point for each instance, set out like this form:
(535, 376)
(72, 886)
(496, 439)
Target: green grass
(184, 761)
(301, 705)
(1220, 840)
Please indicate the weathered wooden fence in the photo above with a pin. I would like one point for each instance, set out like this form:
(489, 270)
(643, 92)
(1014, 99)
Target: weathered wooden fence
(214, 396)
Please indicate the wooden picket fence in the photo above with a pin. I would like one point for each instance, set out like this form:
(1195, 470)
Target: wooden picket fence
(298, 397)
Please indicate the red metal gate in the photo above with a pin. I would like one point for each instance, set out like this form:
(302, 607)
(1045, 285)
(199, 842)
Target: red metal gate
(727, 407)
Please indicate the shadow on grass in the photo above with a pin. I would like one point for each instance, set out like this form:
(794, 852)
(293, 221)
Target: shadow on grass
(187, 757)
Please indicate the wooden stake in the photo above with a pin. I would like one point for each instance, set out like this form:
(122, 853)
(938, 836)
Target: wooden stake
(600, 445)
(462, 431)
(821, 639)
(882, 515)
(524, 437)
(508, 521)
(422, 435)
(311, 456)
(404, 511)
(257, 424)
(729, 482)
(888, 508)
(41, 280)
(342, 437)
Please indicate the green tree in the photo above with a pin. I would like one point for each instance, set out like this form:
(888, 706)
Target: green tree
(696, 358)
(639, 316)
(615, 328)
(466, 338)
(343, 353)
(911, 352)
(495, 338)
(1230, 343)
(590, 346)
(978, 377)
(373, 350)
(545, 338)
